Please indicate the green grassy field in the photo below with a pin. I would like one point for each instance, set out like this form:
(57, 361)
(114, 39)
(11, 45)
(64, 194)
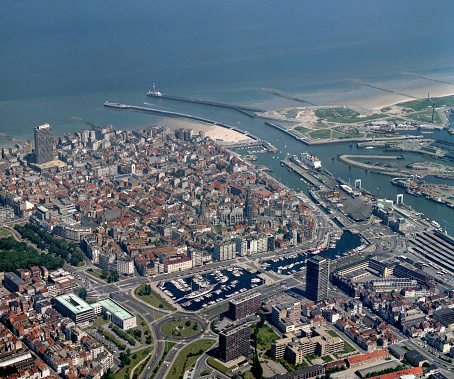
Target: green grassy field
(321, 134)
(141, 354)
(146, 329)
(219, 366)
(265, 338)
(4, 233)
(188, 356)
(344, 115)
(153, 299)
(301, 129)
(99, 321)
(178, 328)
(95, 273)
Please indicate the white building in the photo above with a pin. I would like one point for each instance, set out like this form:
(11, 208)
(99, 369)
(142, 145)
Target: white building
(125, 265)
(224, 251)
(178, 264)
(241, 246)
(117, 314)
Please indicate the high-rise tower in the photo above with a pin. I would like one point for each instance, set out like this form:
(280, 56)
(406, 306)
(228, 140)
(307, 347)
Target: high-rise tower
(44, 145)
(317, 278)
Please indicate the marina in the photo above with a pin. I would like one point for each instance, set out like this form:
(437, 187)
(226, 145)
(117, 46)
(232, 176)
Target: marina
(205, 290)
(348, 244)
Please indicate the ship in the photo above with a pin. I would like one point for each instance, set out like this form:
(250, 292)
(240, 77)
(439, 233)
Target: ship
(154, 92)
(195, 294)
(311, 161)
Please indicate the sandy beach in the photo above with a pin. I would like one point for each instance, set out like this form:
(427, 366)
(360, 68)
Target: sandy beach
(385, 99)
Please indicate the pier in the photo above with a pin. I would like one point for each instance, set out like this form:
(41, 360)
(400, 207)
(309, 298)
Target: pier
(240, 108)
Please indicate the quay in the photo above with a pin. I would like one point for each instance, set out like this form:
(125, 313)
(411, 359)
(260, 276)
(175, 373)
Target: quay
(240, 108)
(301, 172)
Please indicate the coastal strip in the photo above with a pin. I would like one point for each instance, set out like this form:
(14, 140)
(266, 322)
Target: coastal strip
(255, 140)
(205, 102)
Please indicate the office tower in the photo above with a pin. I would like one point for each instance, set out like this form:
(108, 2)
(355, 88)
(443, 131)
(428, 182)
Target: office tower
(245, 306)
(317, 278)
(44, 145)
(234, 341)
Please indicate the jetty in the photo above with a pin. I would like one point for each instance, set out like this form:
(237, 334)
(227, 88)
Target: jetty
(240, 108)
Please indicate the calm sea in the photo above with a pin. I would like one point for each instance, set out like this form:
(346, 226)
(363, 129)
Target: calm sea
(63, 59)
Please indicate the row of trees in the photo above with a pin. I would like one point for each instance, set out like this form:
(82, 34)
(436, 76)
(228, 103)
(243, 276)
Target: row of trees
(14, 255)
(48, 241)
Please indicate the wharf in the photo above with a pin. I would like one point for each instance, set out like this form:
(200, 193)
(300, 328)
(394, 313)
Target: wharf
(301, 172)
(240, 108)
(438, 193)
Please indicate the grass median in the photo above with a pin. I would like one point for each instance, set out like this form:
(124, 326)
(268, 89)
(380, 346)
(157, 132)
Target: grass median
(188, 356)
(152, 298)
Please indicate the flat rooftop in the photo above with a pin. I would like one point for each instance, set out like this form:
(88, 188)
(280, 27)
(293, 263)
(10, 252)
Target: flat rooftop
(74, 303)
(115, 309)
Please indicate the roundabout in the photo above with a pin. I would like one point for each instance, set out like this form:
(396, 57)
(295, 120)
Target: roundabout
(180, 327)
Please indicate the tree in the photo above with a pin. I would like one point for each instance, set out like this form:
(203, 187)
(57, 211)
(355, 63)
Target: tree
(262, 320)
(83, 293)
(256, 369)
(124, 359)
(104, 273)
(188, 323)
(114, 277)
(108, 374)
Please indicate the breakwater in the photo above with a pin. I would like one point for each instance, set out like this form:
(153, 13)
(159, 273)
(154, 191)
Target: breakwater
(287, 131)
(206, 102)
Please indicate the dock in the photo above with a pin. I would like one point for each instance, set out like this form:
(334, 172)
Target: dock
(240, 108)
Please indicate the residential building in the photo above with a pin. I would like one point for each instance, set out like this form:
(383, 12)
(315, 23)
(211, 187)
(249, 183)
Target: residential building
(224, 251)
(44, 145)
(234, 341)
(245, 306)
(317, 278)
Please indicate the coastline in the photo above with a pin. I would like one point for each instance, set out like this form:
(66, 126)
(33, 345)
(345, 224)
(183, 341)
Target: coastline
(372, 102)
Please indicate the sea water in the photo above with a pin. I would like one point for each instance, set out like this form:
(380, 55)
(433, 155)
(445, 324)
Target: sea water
(62, 60)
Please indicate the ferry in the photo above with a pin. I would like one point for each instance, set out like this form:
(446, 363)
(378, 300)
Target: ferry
(311, 161)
